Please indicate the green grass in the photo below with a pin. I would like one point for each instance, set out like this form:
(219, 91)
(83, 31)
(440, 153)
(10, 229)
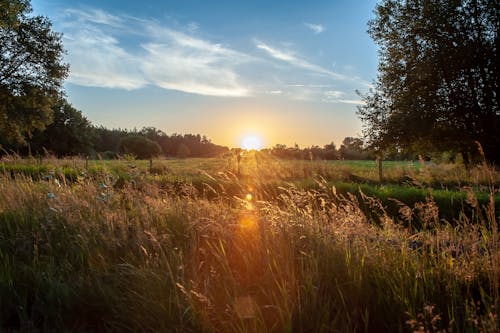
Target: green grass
(113, 247)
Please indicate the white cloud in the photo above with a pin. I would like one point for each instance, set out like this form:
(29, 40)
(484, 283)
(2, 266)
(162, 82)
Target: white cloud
(173, 67)
(124, 52)
(94, 16)
(315, 28)
(97, 60)
(100, 56)
(334, 94)
(292, 59)
(352, 101)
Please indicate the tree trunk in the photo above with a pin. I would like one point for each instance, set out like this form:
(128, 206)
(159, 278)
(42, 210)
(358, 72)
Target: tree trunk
(466, 159)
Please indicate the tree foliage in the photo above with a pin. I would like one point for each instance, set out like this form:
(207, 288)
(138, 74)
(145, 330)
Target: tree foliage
(437, 87)
(69, 134)
(31, 70)
(139, 146)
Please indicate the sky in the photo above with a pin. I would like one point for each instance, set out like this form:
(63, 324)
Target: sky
(284, 71)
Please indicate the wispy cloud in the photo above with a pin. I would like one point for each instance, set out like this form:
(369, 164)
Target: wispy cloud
(297, 61)
(352, 101)
(203, 72)
(101, 56)
(92, 15)
(315, 28)
(334, 94)
(97, 60)
(124, 52)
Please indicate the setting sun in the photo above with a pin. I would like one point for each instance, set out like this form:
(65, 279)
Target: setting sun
(251, 142)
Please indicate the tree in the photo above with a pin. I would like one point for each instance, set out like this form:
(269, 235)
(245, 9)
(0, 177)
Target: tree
(183, 151)
(31, 70)
(330, 152)
(70, 133)
(437, 88)
(139, 146)
(353, 149)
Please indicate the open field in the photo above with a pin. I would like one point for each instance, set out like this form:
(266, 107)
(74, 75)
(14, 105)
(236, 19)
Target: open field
(277, 246)
(405, 182)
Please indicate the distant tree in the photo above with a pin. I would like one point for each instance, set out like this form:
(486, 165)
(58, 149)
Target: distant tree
(183, 151)
(353, 149)
(108, 140)
(330, 152)
(438, 83)
(70, 133)
(139, 146)
(152, 133)
(31, 70)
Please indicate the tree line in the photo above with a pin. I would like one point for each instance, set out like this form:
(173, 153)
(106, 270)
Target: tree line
(70, 133)
(351, 148)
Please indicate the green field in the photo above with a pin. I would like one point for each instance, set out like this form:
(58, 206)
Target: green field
(272, 246)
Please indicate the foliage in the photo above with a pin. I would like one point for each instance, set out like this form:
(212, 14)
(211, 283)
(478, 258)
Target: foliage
(69, 134)
(437, 87)
(31, 70)
(183, 151)
(353, 149)
(139, 146)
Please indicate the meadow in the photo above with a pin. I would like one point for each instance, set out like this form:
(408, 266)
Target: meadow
(207, 245)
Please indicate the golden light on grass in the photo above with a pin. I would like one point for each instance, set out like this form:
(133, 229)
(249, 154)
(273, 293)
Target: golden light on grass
(251, 142)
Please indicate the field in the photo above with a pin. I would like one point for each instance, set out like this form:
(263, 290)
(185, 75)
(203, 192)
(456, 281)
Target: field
(265, 246)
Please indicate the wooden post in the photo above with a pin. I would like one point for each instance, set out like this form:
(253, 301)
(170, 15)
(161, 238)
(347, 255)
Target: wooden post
(379, 165)
(150, 165)
(239, 160)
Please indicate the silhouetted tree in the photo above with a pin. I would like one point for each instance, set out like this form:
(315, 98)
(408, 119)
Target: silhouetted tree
(330, 152)
(437, 87)
(353, 149)
(183, 151)
(31, 70)
(139, 146)
(70, 133)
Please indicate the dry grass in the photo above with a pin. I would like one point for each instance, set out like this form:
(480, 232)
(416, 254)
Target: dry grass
(89, 256)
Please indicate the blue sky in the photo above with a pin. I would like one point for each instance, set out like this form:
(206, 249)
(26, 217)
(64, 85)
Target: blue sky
(283, 70)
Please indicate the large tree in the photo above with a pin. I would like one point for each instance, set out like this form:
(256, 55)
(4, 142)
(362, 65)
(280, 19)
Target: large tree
(437, 87)
(31, 70)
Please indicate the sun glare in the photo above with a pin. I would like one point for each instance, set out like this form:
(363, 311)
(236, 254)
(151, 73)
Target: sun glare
(251, 142)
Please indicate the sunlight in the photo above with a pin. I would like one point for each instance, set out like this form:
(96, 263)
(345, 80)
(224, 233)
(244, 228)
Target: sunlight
(251, 142)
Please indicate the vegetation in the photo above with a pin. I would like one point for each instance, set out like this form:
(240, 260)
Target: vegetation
(139, 147)
(120, 248)
(437, 88)
(31, 70)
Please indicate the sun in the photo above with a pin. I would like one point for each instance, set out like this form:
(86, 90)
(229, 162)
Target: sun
(251, 142)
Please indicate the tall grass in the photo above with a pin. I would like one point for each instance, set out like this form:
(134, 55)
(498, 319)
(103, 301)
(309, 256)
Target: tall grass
(141, 257)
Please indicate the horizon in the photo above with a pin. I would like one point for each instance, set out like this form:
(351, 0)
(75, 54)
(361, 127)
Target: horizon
(286, 73)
